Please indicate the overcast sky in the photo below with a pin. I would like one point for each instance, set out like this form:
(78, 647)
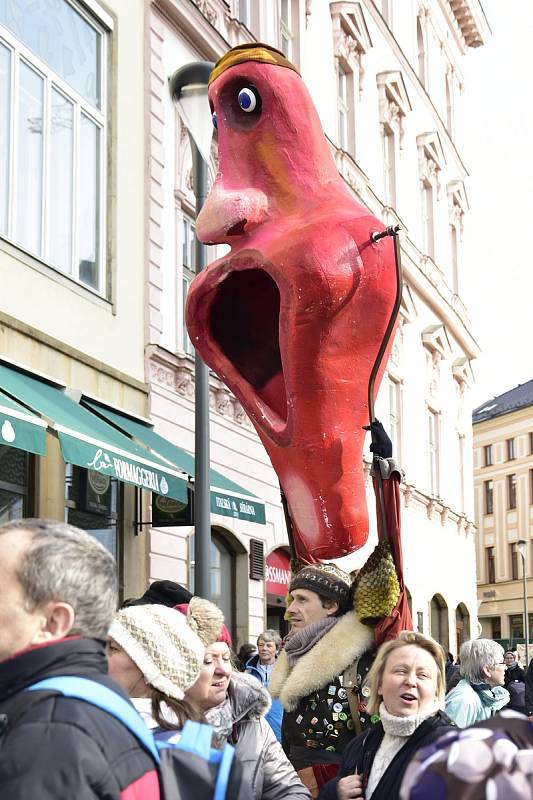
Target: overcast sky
(498, 263)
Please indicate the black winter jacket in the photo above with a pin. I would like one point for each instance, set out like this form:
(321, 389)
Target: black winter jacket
(59, 748)
(361, 752)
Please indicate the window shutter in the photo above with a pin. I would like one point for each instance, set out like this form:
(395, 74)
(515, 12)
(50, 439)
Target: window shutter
(257, 559)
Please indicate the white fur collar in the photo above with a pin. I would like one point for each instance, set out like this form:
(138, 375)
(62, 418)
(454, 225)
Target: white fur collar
(327, 659)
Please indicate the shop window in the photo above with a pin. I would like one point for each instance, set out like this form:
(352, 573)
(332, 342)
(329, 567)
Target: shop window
(52, 136)
(487, 455)
(439, 621)
(92, 502)
(14, 482)
(462, 625)
(496, 626)
(223, 578)
(516, 626)
(491, 565)
(488, 491)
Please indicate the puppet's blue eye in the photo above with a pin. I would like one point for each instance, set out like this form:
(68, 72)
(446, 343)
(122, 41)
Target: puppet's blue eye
(215, 123)
(247, 100)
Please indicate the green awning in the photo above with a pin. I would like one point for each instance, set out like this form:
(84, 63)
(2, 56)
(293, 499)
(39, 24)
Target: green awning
(87, 441)
(19, 428)
(227, 497)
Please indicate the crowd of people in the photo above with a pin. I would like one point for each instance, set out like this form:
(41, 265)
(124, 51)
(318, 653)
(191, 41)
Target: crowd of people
(322, 714)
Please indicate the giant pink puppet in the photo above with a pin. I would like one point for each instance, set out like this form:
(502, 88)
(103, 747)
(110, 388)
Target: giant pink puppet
(293, 317)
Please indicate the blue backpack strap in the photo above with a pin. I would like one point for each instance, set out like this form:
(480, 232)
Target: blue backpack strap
(224, 770)
(196, 738)
(102, 697)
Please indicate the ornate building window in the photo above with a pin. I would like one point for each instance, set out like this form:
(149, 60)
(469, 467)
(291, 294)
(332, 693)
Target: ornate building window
(430, 164)
(488, 497)
(350, 43)
(188, 269)
(421, 50)
(434, 452)
(393, 107)
(289, 12)
(53, 120)
(344, 92)
(457, 207)
(450, 101)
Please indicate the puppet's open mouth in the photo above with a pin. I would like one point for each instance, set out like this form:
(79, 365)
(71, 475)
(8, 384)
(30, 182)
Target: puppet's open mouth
(244, 323)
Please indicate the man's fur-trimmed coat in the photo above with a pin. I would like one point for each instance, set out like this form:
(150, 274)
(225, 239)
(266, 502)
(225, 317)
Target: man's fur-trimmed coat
(326, 660)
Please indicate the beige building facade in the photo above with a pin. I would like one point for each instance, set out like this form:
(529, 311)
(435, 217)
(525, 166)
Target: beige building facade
(72, 268)
(503, 470)
(387, 79)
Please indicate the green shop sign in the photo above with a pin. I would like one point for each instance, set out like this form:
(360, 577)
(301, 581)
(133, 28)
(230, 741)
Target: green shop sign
(229, 505)
(144, 473)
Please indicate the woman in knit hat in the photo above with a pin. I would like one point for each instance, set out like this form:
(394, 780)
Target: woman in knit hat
(235, 704)
(155, 654)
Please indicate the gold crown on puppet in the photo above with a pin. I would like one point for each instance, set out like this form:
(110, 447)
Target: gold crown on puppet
(252, 51)
(377, 590)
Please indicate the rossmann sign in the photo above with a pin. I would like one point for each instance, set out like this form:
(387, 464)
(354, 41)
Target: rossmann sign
(278, 573)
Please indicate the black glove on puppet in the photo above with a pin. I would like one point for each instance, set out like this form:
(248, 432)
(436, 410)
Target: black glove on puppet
(381, 444)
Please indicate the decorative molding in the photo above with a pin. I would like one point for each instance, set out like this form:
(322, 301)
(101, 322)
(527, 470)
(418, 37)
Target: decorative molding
(431, 158)
(175, 372)
(351, 39)
(435, 340)
(466, 22)
(393, 101)
(457, 203)
(462, 372)
(207, 10)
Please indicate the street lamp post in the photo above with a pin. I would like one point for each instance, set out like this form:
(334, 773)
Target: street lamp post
(188, 88)
(521, 546)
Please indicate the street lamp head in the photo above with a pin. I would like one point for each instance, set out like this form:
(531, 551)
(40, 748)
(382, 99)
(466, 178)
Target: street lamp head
(188, 89)
(521, 546)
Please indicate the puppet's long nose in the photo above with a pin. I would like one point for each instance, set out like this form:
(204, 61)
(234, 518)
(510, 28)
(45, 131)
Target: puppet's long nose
(229, 213)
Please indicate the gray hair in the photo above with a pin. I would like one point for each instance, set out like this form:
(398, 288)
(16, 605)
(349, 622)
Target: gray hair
(65, 564)
(475, 655)
(270, 635)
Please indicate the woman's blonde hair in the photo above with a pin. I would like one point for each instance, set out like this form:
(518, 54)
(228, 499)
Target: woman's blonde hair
(375, 676)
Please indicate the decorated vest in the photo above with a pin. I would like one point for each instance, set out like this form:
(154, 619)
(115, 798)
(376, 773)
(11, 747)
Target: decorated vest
(326, 720)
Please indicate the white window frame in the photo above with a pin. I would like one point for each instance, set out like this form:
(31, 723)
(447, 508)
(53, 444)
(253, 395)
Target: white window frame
(286, 30)
(395, 416)
(187, 274)
(343, 106)
(19, 51)
(433, 451)
(428, 218)
(389, 165)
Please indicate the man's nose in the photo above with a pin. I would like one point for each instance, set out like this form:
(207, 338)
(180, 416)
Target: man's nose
(291, 607)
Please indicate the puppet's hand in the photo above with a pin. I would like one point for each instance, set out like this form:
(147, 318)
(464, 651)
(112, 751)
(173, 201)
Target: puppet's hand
(381, 444)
